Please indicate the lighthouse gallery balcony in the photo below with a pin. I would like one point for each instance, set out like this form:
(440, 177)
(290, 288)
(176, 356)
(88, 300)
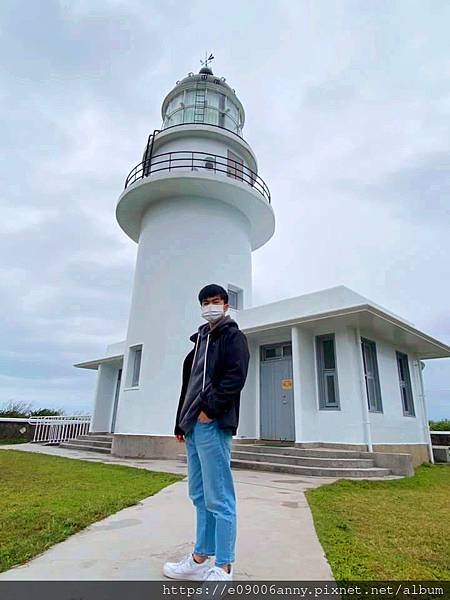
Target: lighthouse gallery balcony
(192, 161)
(168, 173)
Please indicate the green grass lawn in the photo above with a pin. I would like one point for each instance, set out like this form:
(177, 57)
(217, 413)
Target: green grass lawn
(13, 441)
(45, 499)
(380, 530)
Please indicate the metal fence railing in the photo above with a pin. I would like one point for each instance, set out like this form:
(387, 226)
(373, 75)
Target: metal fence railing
(56, 429)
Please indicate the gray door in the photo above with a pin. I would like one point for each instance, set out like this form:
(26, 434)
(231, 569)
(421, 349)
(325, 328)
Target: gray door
(276, 392)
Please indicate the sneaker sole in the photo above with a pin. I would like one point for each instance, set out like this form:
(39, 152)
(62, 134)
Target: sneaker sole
(172, 575)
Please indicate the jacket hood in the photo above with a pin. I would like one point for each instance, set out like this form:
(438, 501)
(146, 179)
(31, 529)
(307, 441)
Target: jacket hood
(224, 323)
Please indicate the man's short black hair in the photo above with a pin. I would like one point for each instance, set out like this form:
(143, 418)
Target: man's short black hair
(213, 290)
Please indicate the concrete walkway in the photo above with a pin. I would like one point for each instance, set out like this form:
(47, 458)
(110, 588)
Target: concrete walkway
(276, 538)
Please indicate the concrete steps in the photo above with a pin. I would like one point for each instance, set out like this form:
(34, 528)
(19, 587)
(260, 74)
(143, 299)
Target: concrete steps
(312, 471)
(94, 442)
(295, 451)
(307, 461)
(315, 462)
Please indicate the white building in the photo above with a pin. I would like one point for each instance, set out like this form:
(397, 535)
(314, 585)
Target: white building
(330, 366)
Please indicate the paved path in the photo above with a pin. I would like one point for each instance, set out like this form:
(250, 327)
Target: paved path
(276, 538)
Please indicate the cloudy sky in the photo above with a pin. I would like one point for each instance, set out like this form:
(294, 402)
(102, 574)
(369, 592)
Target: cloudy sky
(347, 108)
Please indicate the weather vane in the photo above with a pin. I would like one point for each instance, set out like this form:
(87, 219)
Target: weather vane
(208, 59)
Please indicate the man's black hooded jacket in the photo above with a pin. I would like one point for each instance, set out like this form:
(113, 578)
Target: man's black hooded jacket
(226, 367)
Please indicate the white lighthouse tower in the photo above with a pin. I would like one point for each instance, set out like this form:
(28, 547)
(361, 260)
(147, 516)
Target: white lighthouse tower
(197, 208)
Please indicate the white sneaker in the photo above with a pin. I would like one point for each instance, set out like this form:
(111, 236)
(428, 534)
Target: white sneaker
(187, 568)
(208, 588)
(218, 574)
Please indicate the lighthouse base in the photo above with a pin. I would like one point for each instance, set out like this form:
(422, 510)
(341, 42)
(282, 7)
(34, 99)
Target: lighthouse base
(126, 445)
(145, 446)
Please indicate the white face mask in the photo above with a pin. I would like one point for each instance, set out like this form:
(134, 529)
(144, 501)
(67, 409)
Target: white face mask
(212, 312)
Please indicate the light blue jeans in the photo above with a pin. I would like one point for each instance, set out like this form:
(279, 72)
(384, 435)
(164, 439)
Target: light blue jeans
(211, 489)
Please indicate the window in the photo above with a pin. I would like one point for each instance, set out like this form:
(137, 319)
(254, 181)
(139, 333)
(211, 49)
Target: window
(287, 350)
(210, 162)
(189, 98)
(235, 297)
(222, 110)
(369, 353)
(176, 118)
(276, 351)
(235, 165)
(326, 371)
(188, 114)
(405, 384)
(211, 116)
(233, 110)
(174, 104)
(134, 366)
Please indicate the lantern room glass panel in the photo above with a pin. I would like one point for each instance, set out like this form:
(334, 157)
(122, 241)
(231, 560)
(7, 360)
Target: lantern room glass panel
(206, 106)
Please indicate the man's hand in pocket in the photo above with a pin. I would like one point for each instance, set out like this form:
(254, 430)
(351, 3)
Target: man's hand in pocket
(203, 418)
(180, 437)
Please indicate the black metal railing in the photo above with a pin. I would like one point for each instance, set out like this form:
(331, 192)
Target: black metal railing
(198, 161)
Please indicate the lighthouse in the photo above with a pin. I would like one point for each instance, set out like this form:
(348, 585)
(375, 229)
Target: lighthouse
(197, 208)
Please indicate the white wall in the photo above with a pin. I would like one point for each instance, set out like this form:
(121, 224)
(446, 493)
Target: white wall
(392, 426)
(346, 424)
(185, 244)
(104, 397)
(327, 425)
(311, 423)
(249, 406)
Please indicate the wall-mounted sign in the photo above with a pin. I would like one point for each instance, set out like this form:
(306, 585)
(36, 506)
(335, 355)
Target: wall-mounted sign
(286, 384)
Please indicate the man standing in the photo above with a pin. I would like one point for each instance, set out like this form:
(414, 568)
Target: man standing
(214, 373)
